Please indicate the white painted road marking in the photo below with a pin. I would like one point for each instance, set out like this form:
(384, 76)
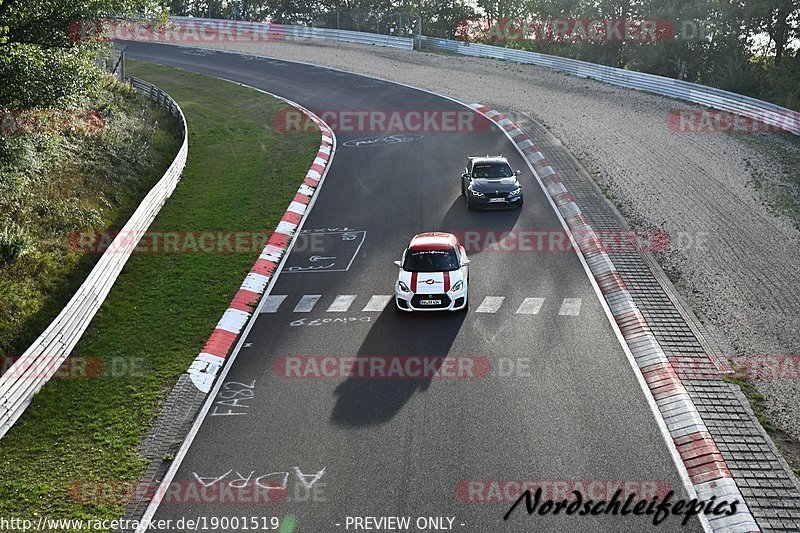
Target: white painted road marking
(307, 303)
(378, 302)
(570, 307)
(342, 303)
(273, 302)
(490, 304)
(530, 306)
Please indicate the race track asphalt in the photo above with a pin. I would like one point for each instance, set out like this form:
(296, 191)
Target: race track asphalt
(561, 403)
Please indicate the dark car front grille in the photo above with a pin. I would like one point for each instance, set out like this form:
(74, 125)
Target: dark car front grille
(492, 194)
(415, 301)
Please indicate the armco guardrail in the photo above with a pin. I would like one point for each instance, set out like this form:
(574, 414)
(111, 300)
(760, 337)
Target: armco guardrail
(765, 112)
(278, 31)
(42, 359)
(771, 114)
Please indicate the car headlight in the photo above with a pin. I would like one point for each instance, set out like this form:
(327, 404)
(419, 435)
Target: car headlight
(475, 193)
(403, 286)
(458, 286)
(516, 191)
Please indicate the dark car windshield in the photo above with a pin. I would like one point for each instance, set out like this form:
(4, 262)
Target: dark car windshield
(431, 261)
(491, 170)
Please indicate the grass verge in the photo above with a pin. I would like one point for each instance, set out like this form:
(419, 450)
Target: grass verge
(55, 183)
(781, 191)
(786, 444)
(241, 175)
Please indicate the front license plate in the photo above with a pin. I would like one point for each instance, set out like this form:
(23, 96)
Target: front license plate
(430, 302)
(497, 199)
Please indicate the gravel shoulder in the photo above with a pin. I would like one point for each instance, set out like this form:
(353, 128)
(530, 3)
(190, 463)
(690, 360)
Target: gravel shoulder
(733, 256)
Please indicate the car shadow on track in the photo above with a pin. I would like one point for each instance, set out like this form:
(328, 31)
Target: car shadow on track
(477, 229)
(371, 400)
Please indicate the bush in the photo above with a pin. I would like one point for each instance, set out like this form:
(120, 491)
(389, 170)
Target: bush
(14, 242)
(53, 184)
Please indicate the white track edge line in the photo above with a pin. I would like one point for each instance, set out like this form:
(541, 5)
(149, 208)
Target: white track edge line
(680, 465)
(673, 450)
(152, 507)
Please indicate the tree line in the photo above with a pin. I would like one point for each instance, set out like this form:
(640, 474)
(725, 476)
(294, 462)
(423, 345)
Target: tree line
(746, 46)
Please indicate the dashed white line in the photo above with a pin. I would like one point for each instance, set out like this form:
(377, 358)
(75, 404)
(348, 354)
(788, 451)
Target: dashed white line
(570, 307)
(378, 302)
(342, 303)
(273, 302)
(490, 304)
(530, 306)
(307, 303)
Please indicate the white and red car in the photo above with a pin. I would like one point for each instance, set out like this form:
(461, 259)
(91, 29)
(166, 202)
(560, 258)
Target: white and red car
(434, 274)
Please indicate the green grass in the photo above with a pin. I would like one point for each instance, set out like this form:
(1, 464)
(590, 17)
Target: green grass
(241, 175)
(786, 443)
(54, 184)
(780, 193)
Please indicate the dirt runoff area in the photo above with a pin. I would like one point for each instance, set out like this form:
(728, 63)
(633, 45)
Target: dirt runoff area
(725, 199)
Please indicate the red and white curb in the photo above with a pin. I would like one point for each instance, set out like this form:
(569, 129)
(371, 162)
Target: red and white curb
(206, 366)
(704, 462)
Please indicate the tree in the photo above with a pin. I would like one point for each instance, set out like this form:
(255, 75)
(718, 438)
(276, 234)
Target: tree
(780, 20)
(44, 61)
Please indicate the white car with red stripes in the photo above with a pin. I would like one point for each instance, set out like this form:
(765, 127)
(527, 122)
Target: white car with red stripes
(434, 274)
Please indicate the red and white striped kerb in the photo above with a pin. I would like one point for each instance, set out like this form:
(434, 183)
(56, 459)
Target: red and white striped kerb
(701, 456)
(206, 366)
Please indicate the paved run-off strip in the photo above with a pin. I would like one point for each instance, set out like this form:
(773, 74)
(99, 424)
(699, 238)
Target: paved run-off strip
(703, 460)
(207, 364)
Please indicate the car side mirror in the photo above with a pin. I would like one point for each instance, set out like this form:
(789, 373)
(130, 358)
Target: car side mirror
(465, 175)
(517, 172)
(398, 263)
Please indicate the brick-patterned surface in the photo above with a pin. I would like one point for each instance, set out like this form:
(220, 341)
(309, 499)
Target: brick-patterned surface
(169, 430)
(770, 489)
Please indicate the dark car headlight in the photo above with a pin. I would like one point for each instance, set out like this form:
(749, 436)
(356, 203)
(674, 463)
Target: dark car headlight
(476, 193)
(403, 286)
(516, 192)
(458, 286)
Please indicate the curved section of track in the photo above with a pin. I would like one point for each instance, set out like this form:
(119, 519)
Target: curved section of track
(562, 402)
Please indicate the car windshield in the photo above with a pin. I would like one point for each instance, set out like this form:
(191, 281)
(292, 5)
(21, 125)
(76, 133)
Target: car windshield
(431, 261)
(491, 170)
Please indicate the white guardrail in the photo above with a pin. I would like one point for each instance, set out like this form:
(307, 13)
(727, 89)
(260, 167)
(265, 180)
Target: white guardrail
(277, 31)
(771, 114)
(42, 359)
